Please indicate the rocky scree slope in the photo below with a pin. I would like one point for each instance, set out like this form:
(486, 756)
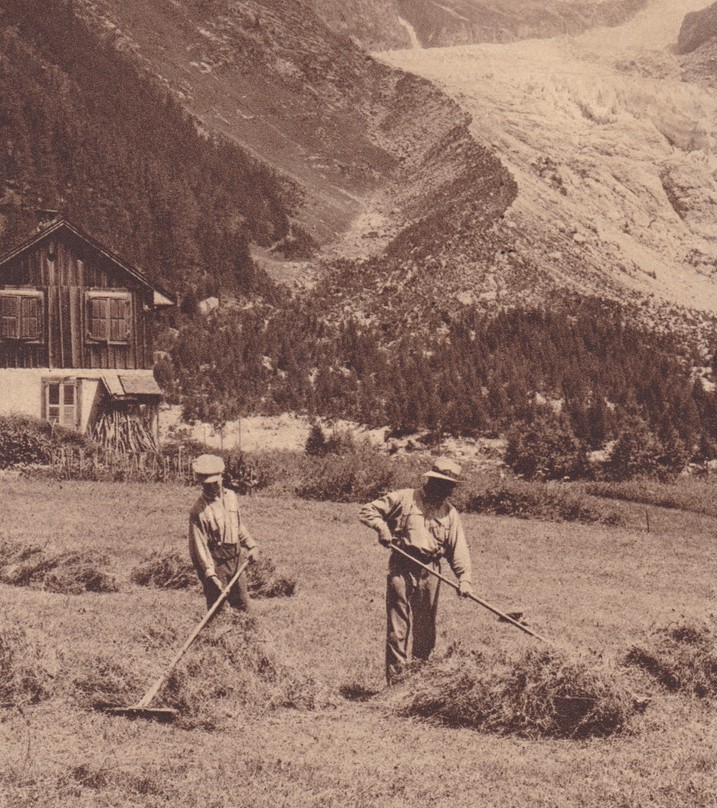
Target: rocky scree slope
(373, 24)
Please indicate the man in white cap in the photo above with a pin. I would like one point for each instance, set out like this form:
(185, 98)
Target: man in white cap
(426, 526)
(218, 539)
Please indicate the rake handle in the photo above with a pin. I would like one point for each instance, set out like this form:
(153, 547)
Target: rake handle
(483, 603)
(152, 692)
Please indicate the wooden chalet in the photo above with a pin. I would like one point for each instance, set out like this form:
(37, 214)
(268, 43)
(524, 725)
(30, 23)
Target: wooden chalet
(76, 337)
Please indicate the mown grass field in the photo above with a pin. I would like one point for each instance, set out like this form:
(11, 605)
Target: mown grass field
(593, 588)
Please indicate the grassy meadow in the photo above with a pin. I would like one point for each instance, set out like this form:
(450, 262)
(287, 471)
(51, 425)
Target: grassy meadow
(596, 589)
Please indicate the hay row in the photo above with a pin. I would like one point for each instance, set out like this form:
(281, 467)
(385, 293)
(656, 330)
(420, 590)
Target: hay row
(679, 657)
(540, 693)
(75, 572)
(173, 570)
(65, 572)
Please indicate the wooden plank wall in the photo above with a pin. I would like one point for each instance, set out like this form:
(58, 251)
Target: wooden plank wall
(65, 271)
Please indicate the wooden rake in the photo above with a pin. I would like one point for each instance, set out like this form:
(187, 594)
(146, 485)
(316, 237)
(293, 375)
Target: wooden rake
(505, 617)
(142, 708)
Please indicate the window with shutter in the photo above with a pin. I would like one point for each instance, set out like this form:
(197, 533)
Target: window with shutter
(21, 315)
(108, 317)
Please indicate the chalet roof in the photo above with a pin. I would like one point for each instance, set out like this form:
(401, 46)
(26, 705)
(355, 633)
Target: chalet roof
(161, 296)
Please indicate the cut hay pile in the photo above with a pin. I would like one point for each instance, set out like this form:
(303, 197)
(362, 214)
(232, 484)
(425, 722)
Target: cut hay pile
(174, 571)
(541, 693)
(65, 572)
(231, 667)
(27, 667)
(165, 571)
(102, 679)
(264, 581)
(680, 657)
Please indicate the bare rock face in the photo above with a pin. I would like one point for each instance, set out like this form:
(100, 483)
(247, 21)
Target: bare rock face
(698, 28)
(456, 22)
(373, 23)
(392, 24)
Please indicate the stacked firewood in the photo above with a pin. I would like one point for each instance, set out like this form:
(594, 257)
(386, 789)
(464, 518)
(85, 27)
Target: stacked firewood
(124, 431)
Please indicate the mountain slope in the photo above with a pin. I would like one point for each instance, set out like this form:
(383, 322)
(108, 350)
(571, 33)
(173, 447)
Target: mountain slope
(273, 77)
(85, 131)
(314, 134)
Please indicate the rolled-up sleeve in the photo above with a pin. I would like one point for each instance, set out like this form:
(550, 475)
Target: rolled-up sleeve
(198, 549)
(458, 551)
(245, 538)
(377, 514)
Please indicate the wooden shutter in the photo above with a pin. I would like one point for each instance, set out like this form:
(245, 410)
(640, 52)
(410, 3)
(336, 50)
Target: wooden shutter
(119, 319)
(30, 318)
(98, 319)
(9, 316)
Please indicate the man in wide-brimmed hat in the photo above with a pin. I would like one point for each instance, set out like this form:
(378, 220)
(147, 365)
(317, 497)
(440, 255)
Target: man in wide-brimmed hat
(218, 539)
(425, 525)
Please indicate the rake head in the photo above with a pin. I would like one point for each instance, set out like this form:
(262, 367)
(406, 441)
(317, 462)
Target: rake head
(163, 714)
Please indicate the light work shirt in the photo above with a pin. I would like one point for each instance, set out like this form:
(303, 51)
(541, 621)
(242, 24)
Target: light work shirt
(215, 523)
(408, 518)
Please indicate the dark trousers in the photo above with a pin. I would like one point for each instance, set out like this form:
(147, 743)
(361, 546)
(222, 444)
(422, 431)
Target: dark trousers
(411, 608)
(226, 563)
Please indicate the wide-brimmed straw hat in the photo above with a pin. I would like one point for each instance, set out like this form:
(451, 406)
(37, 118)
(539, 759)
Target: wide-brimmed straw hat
(445, 469)
(208, 468)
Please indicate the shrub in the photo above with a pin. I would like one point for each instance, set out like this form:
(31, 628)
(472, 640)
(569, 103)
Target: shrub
(357, 477)
(545, 448)
(339, 442)
(316, 441)
(550, 501)
(24, 441)
(247, 473)
(638, 452)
